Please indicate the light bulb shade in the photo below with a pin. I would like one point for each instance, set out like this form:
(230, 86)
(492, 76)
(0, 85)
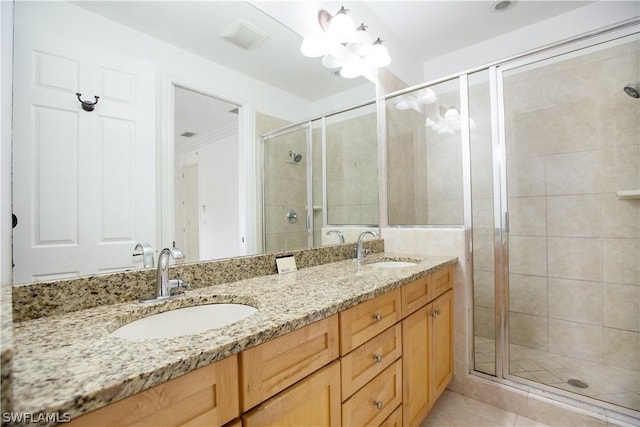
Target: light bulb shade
(311, 48)
(359, 49)
(330, 61)
(349, 72)
(341, 28)
(426, 96)
(379, 56)
(452, 115)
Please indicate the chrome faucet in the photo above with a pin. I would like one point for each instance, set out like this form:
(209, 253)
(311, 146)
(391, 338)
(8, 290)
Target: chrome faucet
(146, 251)
(338, 233)
(360, 253)
(163, 284)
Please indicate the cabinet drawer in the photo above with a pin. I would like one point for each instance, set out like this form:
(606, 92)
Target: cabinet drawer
(415, 295)
(361, 323)
(314, 401)
(441, 281)
(394, 420)
(206, 396)
(371, 358)
(374, 402)
(271, 367)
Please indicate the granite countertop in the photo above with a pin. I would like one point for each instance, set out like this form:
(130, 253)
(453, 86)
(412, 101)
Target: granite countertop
(69, 363)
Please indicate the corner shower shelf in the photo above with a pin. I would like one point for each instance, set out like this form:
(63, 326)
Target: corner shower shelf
(628, 194)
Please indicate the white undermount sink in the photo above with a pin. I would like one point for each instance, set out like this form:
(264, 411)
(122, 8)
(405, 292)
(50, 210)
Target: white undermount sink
(184, 321)
(391, 264)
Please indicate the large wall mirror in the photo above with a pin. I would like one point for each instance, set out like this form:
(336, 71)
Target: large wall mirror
(182, 91)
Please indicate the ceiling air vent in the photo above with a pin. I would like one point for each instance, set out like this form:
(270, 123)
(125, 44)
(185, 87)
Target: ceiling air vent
(243, 34)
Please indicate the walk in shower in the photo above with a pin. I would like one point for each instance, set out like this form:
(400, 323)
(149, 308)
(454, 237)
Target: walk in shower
(556, 220)
(545, 171)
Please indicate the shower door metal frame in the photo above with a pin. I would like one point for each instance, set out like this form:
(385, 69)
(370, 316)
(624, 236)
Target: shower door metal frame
(501, 212)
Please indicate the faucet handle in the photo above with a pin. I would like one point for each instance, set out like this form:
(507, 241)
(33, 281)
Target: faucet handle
(176, 253)
(178, 283)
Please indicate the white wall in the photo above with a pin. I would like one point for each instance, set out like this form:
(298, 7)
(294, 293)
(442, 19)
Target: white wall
(218, 193)
(6, 49)
(359, 94)
(568, 25)
(61, 19)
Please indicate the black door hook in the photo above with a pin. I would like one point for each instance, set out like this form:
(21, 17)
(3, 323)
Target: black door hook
(87, 105)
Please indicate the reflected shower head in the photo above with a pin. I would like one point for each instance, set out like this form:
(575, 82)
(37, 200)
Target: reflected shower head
(633, 90)
(295, 157)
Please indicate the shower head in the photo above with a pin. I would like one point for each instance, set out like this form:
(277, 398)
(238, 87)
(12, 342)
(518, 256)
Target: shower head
(295, 157)
(633, 90)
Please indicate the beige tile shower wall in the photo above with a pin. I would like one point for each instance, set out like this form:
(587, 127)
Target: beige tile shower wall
(572, 143)
(444, 196)
(406, 183)
(424, 167)
(284, 189)
(352, 170)
(264, 124)
(482, 205)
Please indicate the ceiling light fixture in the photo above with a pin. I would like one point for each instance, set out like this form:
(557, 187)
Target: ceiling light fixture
(347, 47)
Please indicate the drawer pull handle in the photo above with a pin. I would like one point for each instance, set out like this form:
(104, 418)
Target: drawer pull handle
(377, 317)
(378, 404)
(377, 358)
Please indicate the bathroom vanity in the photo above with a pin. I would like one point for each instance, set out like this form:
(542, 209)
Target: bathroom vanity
(344, 343)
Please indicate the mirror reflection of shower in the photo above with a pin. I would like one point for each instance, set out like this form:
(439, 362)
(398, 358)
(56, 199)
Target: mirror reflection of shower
(294, 157)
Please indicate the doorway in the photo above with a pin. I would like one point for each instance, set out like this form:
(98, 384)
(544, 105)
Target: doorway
(206, 176)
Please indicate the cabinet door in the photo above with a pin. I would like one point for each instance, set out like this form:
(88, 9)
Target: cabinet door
(442, 339)
(269, 368)
(207, 396)
(314, 401)
(416, 396)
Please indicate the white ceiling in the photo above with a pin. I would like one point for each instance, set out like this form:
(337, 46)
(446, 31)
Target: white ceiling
(435, 28)
(203, 115)
(423, 29)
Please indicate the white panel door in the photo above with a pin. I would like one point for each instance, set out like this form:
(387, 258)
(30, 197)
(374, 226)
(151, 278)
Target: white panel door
(84, 184)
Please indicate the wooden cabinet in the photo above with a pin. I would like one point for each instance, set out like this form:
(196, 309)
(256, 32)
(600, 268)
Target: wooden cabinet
(269, 368)
(427, 337)
(314, 401)
(364, 321)
(416, 391)
(396, 358)
(371, 366)
(206, 396)
(374, 402)
(365, 362)
(442, 343)
(394, 420)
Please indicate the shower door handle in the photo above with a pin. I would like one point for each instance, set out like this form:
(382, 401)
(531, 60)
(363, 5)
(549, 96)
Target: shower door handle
(506, 222)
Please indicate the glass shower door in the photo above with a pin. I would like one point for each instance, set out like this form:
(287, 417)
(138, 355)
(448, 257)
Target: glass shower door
(286, 190)
(572, 150)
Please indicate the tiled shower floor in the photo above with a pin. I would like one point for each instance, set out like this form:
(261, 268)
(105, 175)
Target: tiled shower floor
(614, 385)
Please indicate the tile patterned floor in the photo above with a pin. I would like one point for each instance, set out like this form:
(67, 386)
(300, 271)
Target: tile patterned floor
(615, 385)
(456, 410)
